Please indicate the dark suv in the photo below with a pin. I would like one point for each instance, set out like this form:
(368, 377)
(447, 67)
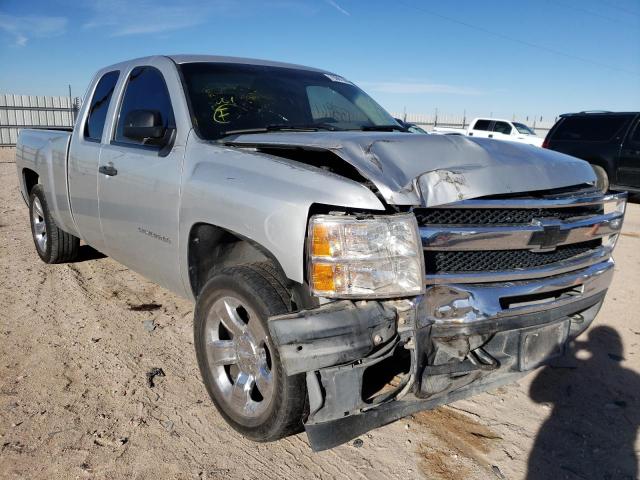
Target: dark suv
(606, 139)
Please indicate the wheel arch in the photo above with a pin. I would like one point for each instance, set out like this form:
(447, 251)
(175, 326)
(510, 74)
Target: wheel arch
(30, 179)
(211, 248)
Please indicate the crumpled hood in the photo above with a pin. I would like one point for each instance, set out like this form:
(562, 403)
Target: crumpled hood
(413, 169)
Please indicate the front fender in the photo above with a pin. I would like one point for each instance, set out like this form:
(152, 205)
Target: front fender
(261, 197)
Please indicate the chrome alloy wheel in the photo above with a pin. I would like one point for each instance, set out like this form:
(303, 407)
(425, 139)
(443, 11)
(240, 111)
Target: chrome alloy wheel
(239, 357)
(39, 225)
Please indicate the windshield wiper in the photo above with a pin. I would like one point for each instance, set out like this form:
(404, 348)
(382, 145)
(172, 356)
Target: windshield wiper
(312, 127)
(382, 128)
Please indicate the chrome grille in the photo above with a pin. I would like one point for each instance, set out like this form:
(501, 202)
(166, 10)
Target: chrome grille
(499, 216)
(515, 238)
(497, 260)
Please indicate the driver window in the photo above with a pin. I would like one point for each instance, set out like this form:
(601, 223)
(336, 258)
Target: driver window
(146, 90)
(502, 127)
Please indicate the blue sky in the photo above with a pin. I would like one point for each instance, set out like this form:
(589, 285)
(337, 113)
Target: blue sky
(503, 57)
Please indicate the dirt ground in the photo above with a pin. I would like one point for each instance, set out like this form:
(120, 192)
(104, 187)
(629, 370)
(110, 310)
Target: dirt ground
(77, 341)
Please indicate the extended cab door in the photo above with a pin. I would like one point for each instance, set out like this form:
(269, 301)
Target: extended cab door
(481, 128)
(84, 155)
(629, 162)
(139, 182)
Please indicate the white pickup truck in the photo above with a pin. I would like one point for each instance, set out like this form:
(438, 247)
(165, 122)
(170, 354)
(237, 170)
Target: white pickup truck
(495, 128)
(345, 273)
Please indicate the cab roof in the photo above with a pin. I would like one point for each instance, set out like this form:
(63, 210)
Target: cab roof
(182, 58)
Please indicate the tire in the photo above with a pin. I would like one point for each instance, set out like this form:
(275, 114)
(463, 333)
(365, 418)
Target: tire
(271, 275)
(52, 244)
(239, 365)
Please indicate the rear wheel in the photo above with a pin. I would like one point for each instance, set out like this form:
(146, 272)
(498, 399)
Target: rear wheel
(52, 244)
(238, 362)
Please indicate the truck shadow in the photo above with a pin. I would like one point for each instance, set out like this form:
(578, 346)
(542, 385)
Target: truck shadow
(87, 253)
(592, 429)
(634, 197)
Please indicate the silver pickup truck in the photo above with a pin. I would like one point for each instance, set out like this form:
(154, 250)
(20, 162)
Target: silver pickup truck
(345, 273)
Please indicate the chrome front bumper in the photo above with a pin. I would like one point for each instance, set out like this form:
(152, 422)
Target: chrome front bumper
(456, 305)
(334, 345)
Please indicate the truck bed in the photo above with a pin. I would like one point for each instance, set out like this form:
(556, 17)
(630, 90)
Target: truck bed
(41, 157)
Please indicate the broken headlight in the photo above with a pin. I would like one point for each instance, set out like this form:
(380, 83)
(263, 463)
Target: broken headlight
(376, 256)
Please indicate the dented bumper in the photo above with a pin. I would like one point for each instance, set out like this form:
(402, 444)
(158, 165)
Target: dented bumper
(370, 363)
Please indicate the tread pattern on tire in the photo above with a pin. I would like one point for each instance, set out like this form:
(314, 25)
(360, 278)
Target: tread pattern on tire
(269, 291)
(62, 246)
(271, 275)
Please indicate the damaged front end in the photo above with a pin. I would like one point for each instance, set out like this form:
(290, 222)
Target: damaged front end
(507, 283)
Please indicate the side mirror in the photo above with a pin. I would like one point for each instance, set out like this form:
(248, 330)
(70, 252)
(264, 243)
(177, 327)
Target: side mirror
(144, 125)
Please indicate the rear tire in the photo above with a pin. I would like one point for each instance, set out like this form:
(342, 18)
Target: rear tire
(240, 366)
(53, 244)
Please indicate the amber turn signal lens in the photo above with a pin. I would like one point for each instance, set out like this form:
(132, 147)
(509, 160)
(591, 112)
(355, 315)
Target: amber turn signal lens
(320, 246)
(374, 256)
(322, 277)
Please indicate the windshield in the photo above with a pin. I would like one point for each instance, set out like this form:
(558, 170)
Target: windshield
(226, 97)
(522, 128)
(413, 128)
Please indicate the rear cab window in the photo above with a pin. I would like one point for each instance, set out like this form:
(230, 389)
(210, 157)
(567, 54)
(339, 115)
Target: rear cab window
(482, 125)
(97, 115)
(591, 128)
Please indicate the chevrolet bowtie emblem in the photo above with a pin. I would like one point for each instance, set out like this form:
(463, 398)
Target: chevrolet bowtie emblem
(549, 237)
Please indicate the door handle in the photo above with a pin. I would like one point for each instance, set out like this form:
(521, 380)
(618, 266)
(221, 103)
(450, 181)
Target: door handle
(491, 135)
(108, 170)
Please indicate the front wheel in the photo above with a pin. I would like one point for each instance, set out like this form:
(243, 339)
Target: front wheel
(240, 367)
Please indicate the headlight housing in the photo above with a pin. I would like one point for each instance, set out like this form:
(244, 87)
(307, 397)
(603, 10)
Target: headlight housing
(602, 179)
(372, 257)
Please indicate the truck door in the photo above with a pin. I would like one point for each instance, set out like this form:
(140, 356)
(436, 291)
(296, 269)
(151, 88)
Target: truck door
(84, 154)
(629, 162)
(138, 184)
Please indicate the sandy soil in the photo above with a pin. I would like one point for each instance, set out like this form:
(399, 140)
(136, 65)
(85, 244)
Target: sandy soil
(75, 402)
